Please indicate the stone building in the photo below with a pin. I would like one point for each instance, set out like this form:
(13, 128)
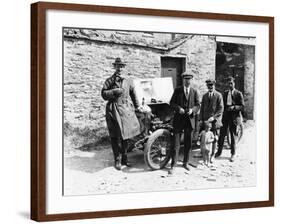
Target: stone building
(236, 57)
(89, 54)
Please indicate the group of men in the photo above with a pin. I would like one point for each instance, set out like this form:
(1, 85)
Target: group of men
(221, 111)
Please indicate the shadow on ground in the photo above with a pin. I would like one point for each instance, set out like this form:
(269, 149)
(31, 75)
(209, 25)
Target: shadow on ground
(96, 160)
(92, 158)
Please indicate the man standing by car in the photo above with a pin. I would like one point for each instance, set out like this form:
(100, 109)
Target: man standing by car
(120, 115)
(185, 102)
(233, 102)
(211, 111)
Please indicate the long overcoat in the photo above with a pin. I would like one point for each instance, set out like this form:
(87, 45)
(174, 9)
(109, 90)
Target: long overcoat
(120, 110)
(212, 108)
(178, 101)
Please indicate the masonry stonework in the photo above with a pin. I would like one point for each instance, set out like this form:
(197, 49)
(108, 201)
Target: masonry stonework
(249, 81)
(200, 53)
(88, 62)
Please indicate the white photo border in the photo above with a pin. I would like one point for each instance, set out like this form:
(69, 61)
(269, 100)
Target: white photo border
(57, 203)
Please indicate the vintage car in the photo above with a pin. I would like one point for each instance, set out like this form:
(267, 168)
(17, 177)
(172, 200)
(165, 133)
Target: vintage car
(156, 121)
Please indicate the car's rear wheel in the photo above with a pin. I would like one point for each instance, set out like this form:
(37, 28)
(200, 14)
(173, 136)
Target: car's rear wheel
(238, 135)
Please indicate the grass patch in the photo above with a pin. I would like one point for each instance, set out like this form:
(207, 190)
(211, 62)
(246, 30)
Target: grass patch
(84, 138)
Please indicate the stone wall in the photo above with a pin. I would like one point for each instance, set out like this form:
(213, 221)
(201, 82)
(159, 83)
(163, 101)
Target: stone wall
(88, 63)
(229, 62)
(249, 80)
(200, 53)
(237, 60)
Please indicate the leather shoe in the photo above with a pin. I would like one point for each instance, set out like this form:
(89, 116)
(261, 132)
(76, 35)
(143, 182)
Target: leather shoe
(117, 165)
(126, 163)
(218, 154)
(171, 171)
(185, 166)
(232, 158)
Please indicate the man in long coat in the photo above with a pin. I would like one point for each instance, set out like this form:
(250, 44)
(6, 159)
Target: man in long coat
(120, 115)
(211, 110)
(233, 103)
(185, 102)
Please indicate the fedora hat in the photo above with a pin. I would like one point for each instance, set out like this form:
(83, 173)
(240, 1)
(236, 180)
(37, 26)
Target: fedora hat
(118, 61)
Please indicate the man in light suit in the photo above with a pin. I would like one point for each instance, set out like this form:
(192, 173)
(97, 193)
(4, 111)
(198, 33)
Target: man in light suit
(211, 111)
(233, 103)
(185, 102)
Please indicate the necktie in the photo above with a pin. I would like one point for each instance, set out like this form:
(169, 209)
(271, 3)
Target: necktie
(229, 98)
(186, 93)
(210, 98)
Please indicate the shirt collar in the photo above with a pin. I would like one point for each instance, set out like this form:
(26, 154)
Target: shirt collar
(187, 88)
(118, 76)
(232, 91)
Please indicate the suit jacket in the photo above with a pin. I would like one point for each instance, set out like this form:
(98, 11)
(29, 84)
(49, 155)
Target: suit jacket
(212, 108)
(178, 101)
(237, 102)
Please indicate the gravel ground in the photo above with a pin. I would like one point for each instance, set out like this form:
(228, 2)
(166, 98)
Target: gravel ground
(92, 172)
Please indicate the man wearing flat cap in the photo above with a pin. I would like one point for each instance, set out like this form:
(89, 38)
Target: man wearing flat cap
(233, 103)
(185, 102)
(120, 115)
(211, 111)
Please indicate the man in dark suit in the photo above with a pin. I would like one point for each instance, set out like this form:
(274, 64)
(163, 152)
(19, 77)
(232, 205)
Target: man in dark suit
(211, 111)
(185, 102)
(233, 102)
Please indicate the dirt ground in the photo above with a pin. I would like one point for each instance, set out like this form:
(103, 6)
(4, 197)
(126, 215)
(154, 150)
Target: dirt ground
(92, 172)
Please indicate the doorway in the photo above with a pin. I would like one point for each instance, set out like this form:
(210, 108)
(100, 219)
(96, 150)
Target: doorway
(237, 60)
(230, 59)
(173, 67)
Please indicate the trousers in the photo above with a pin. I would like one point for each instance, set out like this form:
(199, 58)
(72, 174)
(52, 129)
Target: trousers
(228, 123)
(187, 145)
(119, 148)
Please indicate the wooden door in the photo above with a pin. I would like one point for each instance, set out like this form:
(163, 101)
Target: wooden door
(172, 67)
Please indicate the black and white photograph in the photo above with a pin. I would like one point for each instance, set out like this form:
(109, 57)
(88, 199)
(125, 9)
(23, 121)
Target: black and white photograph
(157, 111)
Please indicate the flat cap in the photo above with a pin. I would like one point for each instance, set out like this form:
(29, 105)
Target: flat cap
(187, 75)
(210, 81)
(230, 79)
